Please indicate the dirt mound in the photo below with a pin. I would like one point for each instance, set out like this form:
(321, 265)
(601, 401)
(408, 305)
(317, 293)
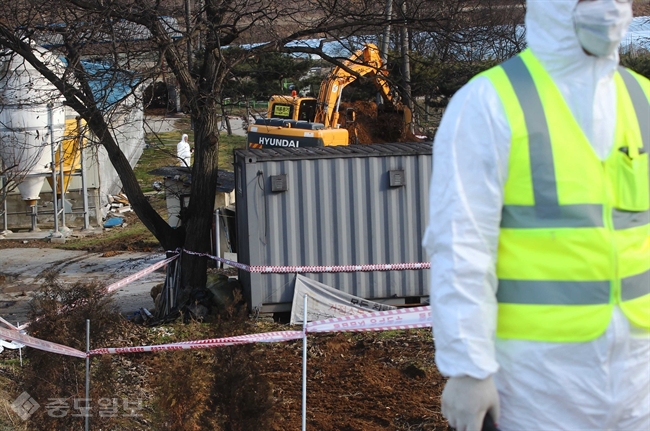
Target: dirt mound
(375, 127)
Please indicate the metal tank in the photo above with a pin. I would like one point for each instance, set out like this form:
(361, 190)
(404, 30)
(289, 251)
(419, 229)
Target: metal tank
(32, 121)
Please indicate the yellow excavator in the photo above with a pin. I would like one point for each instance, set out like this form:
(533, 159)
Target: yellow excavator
(294, 121)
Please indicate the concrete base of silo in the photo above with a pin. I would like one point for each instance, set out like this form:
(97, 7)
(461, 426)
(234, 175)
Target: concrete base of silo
(19, 218)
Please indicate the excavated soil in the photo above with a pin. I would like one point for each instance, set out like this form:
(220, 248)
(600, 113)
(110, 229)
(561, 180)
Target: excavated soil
(375, 127)
(359, 382)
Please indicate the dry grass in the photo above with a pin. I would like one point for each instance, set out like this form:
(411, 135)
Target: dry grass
(9, 420)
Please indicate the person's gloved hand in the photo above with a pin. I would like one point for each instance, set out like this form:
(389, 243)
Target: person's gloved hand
(466, 400)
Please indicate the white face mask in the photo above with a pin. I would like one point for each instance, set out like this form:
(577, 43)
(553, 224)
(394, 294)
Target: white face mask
(601, 24)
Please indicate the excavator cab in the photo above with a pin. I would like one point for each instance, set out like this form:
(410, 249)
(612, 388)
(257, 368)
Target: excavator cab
(307, 110)
(290, 124)
(292, 108)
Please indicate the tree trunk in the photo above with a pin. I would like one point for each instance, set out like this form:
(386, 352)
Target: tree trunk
(169, 238)
(201, 206)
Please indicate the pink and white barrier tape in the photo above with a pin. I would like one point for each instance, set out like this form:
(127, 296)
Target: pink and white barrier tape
(340, 268)
(131, 278)
(410, 318)
(36, 343)
(268, 337)
(8, 324)
(270, 269)
(241, 266)
(404, 318)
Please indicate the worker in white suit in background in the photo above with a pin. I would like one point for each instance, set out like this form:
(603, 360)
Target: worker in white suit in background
(184, 152)
(538, 232)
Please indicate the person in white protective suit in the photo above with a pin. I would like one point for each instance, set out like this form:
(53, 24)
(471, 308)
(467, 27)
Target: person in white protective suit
(184, 152)
(540, 253)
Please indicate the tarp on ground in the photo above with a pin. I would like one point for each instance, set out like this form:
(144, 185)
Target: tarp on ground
(10, 345)
(325, 302)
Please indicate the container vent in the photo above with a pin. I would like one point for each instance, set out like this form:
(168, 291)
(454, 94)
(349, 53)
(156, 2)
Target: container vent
(279, 183)
(396, 178)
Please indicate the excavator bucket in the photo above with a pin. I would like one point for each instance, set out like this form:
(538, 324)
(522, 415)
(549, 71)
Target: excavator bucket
(396, 117)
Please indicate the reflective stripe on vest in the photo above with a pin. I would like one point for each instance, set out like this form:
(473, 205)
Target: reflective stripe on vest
(553, 292)
(624, 219)
(635, 286)
(640, 103)
(542, 168)
(549, 309)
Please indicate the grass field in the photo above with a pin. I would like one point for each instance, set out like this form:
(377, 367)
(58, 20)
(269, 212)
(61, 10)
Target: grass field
(161, 151)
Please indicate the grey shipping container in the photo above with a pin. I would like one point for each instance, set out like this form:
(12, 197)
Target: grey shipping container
(321, 206)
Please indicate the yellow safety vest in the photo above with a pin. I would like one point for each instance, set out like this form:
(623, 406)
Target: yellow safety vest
(575, 231)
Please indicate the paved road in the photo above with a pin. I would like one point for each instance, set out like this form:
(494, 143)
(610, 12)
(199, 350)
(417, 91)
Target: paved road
(22, 271)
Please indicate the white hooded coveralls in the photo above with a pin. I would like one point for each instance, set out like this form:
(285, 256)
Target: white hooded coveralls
(595, 385)
(184, 152)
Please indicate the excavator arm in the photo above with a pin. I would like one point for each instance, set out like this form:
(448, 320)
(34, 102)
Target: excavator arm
(364, 62)
(393, 98)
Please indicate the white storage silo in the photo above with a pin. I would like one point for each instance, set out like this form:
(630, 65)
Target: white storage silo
(32, 119)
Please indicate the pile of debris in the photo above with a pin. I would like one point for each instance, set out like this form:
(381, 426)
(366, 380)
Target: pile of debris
(118, 204)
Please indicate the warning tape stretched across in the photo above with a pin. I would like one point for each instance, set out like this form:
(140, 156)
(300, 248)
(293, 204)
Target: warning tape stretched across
(404, 318)
(131, 278)
(268, 337)
(263, 269)
(37, 343)
(270, 269)
(340, 268)
(8, 324)
(419, 317)
(409, 318)
(241, 266)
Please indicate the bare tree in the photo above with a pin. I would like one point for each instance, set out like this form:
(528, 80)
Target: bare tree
(136, 40)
